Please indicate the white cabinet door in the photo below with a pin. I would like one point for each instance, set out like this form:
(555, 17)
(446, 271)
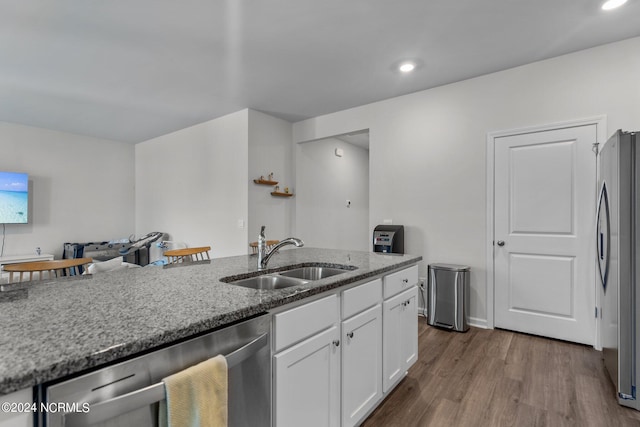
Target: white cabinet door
(361, 364)
(399, 336)
(307, 382)
(410, 328)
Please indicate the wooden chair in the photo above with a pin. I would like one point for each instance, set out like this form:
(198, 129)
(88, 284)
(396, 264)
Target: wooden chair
(187, 254)
(270, 244)
(55, 268)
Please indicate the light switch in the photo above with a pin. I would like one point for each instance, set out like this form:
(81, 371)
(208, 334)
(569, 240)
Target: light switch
(241, 223)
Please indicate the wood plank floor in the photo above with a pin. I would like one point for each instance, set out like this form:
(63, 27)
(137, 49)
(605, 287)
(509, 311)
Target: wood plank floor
(501, 378)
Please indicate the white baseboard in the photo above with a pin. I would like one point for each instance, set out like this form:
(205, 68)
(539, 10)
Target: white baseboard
(478, 323)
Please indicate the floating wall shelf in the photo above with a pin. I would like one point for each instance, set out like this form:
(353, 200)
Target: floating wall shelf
(265, 182)
(279, 194)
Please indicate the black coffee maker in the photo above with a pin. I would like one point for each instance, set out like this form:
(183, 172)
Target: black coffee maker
(388, 239)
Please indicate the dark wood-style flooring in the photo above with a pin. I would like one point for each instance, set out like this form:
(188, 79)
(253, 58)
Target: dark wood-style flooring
(501, 378)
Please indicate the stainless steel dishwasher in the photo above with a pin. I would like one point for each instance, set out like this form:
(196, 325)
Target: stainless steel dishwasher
(128, 393)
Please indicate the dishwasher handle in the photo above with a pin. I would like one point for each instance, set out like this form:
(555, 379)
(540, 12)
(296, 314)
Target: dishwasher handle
(110, 408)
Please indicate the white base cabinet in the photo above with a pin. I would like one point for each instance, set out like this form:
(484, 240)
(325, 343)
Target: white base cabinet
(306, 365)
(337, 357)
(307, 382)
(400, 336)
(361, 365)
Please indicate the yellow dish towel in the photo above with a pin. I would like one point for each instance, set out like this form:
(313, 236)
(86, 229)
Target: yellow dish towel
(197, 396)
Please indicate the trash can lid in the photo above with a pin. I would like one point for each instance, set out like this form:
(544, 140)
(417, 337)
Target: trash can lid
(450, 267)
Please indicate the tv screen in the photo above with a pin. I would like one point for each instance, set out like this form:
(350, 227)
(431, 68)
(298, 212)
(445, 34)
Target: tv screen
(14, 198)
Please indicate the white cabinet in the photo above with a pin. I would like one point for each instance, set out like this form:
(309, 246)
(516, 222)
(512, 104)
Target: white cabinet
(400, 336)
(299, 323)
(306, 366)
(361, 364)
(337, 357)
(307, 382)
(402, 280)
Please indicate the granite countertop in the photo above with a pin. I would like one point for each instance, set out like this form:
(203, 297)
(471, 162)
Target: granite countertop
(52, 329)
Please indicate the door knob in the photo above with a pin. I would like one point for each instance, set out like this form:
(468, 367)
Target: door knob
(500, 242)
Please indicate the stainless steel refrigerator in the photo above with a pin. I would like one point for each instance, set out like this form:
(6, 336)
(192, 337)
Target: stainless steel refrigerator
(618, 259)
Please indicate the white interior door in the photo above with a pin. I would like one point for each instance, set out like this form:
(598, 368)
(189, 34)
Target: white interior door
(544, 262)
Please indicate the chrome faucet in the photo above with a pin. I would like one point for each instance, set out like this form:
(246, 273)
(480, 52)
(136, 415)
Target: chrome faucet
(264, 256)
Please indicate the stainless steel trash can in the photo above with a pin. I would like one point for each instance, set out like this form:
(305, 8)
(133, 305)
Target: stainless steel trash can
(448, 296)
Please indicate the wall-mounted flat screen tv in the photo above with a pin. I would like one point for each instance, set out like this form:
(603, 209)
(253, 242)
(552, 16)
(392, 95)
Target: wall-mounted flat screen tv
(14, 198)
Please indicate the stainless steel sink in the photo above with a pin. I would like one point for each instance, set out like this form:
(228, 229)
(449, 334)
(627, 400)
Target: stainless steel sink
(284, 279)
(269, 282)
(313, 273)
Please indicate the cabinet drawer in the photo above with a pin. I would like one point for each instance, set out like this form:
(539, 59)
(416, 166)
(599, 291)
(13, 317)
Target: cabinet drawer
(398, 282)
(301, 322)
(361, 297)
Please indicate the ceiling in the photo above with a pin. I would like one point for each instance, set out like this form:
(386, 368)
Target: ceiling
(133, 70)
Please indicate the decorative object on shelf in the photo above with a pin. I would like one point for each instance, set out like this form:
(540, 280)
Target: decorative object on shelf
(268, 181)
(276, 191)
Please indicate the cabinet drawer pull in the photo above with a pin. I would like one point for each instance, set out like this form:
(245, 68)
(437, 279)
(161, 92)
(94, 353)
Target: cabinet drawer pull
(336, 343)
(405, 280)
(350, 334)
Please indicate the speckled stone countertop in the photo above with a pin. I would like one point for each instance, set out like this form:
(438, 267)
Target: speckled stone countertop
(57, 328)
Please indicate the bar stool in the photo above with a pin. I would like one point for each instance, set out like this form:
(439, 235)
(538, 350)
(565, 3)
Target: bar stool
(187, 254)
(55, 268)
(270, 244)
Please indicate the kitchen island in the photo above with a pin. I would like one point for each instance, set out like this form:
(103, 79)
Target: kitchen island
(66, 326)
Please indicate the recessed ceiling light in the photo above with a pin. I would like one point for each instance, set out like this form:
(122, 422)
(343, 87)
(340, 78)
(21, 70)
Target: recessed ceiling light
(612, 4)
(407, 67)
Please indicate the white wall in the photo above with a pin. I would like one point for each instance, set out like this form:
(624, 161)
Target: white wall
(324, 183)
(428, 149)
(192, 184)
(82, 188)
(270, 150)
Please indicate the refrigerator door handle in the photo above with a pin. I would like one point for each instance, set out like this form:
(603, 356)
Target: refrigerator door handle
(603, 199)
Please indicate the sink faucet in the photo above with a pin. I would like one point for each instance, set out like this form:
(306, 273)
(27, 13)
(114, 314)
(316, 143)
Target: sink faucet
(264, 256)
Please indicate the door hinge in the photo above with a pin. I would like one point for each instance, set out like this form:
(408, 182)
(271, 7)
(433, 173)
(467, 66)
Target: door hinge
(595, 147)
(596, 312)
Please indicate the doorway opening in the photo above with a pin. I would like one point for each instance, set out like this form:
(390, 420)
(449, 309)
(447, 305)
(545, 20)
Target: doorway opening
(332, 199)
